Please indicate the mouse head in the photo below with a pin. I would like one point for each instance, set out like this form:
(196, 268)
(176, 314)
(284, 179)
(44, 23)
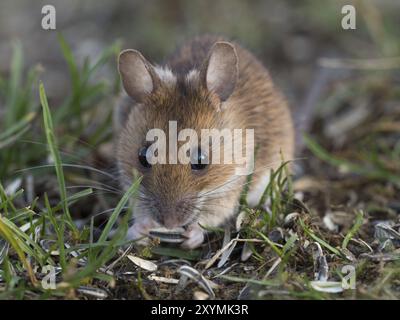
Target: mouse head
(177, 193)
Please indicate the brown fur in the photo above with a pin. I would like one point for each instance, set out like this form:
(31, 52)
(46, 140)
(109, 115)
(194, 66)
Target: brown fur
(174, 194)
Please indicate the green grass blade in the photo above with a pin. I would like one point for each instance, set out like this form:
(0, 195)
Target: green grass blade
(319, 240)
(69, 57)
(270, 243)
(51, 141)
(121, 204)
(8, 235)
(357, 224)
(14, 84)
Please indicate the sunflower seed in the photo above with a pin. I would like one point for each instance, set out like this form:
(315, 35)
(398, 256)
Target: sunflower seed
(246, 252)
(241, 220)
(93, 292)
(321, 268)
(25, 227)
(196, 276)
(384, 231)
(13, 186)
(276, 235)
(168, 235)
(163, 279)
(327, 286)
(4, 246)
(142, 263)
(200, 295)
(289, 219)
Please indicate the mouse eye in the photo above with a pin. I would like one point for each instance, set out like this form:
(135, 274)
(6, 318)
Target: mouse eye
(200, 163)
(142, 158)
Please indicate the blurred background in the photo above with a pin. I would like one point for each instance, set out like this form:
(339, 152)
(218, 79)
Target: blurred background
(289, 36)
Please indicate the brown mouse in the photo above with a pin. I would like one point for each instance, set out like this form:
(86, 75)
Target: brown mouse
(207, 83)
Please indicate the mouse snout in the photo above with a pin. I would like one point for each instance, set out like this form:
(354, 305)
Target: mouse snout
(169, 221)
(175, 215)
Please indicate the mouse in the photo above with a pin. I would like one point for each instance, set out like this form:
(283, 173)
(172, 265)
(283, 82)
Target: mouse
(212, 83)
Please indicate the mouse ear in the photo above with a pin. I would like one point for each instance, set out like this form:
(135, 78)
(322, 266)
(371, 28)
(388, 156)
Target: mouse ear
(220, 71)
(138, 76)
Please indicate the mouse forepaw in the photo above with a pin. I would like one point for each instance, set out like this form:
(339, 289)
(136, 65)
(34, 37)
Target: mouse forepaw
(195, 237)
(140, 231)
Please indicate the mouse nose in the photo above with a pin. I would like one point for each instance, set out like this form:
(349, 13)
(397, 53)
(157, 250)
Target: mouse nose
(174, 215)
(170, 221)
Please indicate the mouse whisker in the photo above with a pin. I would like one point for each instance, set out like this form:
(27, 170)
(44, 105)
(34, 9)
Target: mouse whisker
(67, 153)
(241, 177)
(68, 165)
(112, 191)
